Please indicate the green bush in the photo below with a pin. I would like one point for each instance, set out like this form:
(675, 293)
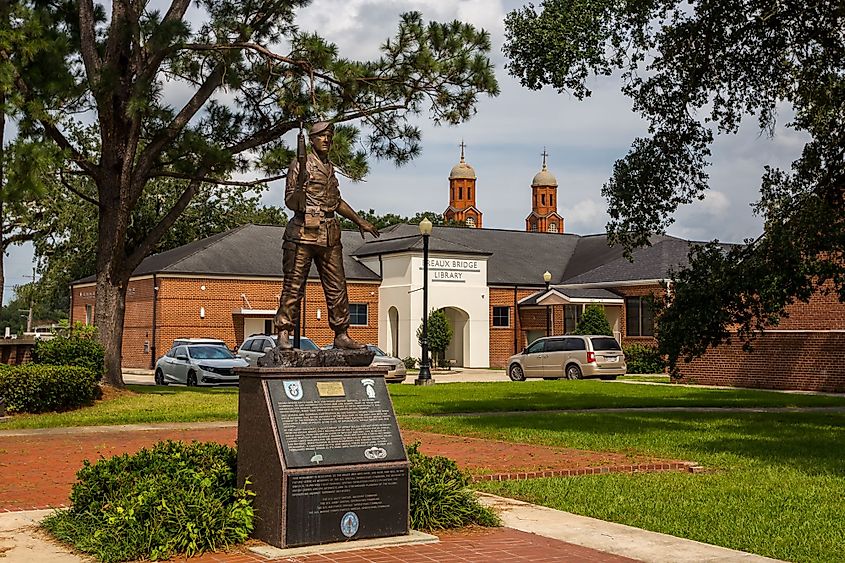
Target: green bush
(172, 499)
(410, 363)
(643, 359)
(37, 388)
(594, 321)
(79, 347)
(440, 495)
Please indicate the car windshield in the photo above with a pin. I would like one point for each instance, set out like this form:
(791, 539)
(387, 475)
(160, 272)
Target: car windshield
(210, 353)
(307, 344)
(377, 350)
(605, 343)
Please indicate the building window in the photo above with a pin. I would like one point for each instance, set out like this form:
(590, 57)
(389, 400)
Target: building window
(470, 222)
(639, 319)
(469, 193)
(460, 192)
(571, 316)
(89, 314)
(552, 227)
(551, 199)
(543, 199)
(358, 314)
(533, 227)
(501, 316)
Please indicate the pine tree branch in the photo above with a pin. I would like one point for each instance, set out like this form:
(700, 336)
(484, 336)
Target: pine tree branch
(69, 187)
(208, 180)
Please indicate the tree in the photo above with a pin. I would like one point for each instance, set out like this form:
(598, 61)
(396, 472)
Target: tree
(390, 219)
(694, 69)
(64, 65)
(439, 334)
(593, 321)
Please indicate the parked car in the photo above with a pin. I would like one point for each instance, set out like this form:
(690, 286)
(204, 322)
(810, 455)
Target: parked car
(198, 364)
(396, 371)
(571, 356)
(257, 345)
(209, 341)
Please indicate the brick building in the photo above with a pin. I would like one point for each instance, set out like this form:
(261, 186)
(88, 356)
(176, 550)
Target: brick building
(489, 282)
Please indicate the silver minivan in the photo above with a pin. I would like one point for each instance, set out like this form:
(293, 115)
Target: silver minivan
(571, 356)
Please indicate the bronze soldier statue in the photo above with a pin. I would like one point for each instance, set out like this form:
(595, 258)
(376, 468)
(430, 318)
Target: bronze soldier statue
(312, 193)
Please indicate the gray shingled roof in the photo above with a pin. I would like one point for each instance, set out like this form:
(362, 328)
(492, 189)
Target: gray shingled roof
(513, 254)
(572, 293)
(249, 250)
(515, 257)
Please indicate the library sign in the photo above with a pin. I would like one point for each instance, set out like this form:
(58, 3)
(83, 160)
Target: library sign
(453, 270)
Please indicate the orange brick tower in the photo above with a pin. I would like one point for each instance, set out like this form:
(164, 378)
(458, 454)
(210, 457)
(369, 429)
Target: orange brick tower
(544, 217)
(462, 194)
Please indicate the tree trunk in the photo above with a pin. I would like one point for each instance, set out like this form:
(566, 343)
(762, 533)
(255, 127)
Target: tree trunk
(113, 274)
(109, 313)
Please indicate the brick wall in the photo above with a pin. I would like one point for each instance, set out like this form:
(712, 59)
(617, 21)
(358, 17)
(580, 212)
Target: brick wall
(806, 361)
(181, 300)
(137, 323)
(636, 291)
(16, 351)
(502, 338)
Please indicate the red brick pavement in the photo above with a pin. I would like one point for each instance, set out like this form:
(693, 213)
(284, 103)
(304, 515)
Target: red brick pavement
(37, 471)
(500, 545)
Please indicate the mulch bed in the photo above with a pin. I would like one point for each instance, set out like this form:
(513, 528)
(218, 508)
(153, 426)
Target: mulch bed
(38, 470)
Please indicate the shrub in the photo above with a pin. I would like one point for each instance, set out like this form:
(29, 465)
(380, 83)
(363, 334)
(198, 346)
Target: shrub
(643, 359)
(410, 363)
(37, 388)
(439, 333)
(79, 347)
(172, 499)
(440, 495)
(593, 321)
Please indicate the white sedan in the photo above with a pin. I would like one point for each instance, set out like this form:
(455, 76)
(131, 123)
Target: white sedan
(198, 364)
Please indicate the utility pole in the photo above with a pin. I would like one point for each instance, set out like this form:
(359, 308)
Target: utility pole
(31, 299)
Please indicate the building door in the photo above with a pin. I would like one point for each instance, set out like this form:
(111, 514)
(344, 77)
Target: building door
(458, 348)
(393, 330)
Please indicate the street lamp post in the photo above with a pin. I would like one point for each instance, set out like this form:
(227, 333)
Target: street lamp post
(424, 378)
(547, 277)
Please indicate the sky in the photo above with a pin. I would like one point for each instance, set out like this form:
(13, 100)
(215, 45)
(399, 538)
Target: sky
(506, 137)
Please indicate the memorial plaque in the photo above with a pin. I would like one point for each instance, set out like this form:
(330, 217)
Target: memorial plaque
(346, 505)
(335, 421)
(321, 449)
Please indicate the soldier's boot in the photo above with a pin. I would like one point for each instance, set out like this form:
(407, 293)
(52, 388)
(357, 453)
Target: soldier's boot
(284, 340)
(344, 341)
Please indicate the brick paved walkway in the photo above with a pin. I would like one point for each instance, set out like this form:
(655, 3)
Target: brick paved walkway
(500, 545)
(38, 471)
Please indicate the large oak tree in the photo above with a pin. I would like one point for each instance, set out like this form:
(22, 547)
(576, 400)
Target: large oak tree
(244, 76)
(695, 69)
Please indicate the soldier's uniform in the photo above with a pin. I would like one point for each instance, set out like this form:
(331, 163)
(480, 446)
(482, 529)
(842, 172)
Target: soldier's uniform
(313, 235)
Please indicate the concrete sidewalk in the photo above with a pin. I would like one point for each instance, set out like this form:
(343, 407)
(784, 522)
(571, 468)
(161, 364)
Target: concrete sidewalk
(531, 533)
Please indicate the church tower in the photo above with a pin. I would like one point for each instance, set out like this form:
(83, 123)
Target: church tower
(544, 217)
(462, 195)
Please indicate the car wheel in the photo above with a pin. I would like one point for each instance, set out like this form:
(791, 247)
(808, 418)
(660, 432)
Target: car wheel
(192, 379)
(573, 372)
(516, 373)
(159, 377)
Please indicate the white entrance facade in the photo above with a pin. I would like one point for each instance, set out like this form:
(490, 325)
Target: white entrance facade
(457, 284)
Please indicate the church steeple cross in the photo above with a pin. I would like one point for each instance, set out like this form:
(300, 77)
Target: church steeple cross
(463, 146)
(544, 154)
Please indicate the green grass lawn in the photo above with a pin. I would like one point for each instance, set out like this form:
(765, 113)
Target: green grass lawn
(182, 404)
(776, 485)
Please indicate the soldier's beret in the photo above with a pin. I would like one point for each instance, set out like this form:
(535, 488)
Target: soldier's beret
(321, 126)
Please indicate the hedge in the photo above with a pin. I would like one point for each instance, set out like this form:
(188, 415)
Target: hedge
(643, 359)
(35, 388)
(80, 348)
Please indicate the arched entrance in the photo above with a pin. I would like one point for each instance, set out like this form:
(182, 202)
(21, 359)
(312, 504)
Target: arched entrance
(393, 330)
(458, 350)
